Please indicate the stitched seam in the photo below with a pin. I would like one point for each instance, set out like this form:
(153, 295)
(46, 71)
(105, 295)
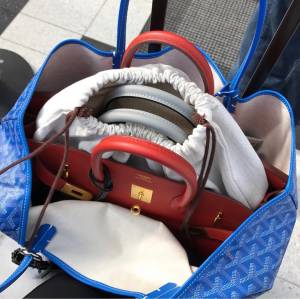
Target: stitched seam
(23, 106)
(27, 168)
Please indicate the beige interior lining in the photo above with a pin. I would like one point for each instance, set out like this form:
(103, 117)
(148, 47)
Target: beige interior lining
(264, 117)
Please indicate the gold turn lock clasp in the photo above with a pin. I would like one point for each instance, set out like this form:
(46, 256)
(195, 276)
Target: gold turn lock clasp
(218, 217)
(141, 193)
(76, 192)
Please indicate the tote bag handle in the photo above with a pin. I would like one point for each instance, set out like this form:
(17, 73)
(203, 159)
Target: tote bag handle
(121, 39)
(178, 42)
(150, 150)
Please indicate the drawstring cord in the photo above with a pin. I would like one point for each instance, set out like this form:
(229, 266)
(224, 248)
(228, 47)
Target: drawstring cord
(84, 112)
(209, 152)
(69, 120)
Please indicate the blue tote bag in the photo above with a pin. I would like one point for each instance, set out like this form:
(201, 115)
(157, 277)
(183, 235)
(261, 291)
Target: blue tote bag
(247, 262)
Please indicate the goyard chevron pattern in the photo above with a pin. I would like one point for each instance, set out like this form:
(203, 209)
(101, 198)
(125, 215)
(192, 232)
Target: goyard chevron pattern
(249, 262)
(12, 183)
(15, 184)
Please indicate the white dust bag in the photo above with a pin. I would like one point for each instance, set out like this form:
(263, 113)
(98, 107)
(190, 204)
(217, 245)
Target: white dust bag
(237, 169)
(110, 245)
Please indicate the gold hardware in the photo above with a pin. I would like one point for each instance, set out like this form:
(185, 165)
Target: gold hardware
(135, 210)
(218, 217)
(141, 193)
(65, 174)
(76, 192)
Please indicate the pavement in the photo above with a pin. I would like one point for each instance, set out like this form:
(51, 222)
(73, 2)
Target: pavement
(32, 27)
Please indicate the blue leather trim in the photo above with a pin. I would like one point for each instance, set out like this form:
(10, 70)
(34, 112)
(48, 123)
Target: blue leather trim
(83, 43)
(19, 108)
(121, 33)
(15, 184)
(292, 184)
(166, 291)
(248, 261)
(279, 214)
(44, 235)
(213, 64)
(87, 280)
(17, 273)
(142, 55)
(254, 44)
(145, 55)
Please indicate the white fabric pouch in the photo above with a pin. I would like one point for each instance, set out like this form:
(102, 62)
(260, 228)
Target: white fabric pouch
(109, 245)
(237, 169)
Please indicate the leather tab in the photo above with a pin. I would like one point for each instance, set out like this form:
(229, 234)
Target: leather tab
(44, 235)
(230, 97)
(165, 291)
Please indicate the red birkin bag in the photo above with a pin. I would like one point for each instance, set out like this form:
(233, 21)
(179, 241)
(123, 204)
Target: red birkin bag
(213, 220)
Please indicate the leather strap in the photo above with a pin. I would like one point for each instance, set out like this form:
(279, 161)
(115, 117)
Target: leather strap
(46, 176)
(151, 151)
(209, 153)
(178, 42)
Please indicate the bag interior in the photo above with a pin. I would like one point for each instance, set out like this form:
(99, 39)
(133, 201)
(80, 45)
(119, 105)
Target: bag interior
(264, 118)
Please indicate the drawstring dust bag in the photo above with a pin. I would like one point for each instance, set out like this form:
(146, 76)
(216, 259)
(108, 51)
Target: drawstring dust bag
(232, 146)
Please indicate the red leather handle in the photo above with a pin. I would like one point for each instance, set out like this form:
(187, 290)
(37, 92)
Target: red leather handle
(178, 42)
(151, 151)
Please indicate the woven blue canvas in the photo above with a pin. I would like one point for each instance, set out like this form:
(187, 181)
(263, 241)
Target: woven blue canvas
(244, 265)
(249, 262)
(15, 184)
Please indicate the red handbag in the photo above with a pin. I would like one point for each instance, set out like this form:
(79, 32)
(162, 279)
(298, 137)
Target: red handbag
(215, 217)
